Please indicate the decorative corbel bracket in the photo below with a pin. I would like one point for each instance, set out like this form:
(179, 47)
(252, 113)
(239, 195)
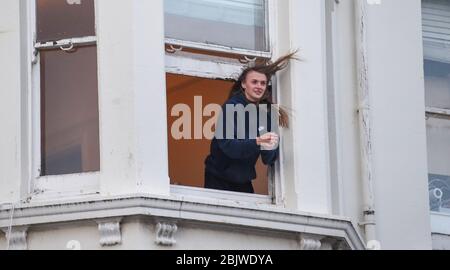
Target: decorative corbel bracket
(165, 233)
(16, 237)
(109, 229)
(310, 242)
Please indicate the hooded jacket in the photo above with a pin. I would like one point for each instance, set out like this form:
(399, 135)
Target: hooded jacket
(234, 159)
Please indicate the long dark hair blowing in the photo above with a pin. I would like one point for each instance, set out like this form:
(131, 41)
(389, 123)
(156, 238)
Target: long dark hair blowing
(269, 69)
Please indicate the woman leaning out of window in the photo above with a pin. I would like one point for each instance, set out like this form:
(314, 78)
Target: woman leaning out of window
(246, 129)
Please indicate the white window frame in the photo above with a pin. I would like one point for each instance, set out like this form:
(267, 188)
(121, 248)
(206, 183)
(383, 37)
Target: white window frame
(433, 112)
(55, 186)
(432, 51)
(440, 221)
(210, 67)
(226, 49)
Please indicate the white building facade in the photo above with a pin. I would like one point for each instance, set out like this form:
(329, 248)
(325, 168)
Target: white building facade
(365, 155)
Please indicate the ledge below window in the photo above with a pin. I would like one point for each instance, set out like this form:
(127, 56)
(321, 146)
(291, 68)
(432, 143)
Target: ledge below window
(310, 228)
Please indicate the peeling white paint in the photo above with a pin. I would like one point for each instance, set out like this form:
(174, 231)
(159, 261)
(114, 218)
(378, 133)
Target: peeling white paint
(364, 113)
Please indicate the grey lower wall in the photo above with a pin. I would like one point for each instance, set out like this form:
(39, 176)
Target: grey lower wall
(139, 233)
(441, 241)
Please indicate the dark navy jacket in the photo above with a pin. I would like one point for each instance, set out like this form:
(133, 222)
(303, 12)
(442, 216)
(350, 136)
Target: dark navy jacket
(234, 160)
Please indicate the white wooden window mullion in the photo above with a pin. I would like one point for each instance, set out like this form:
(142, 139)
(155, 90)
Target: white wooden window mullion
(66, 42)
(438, 111)
(217, 48)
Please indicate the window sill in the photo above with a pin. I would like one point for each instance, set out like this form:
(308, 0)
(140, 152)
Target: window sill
(182, 192)
(64, 186)
(440, 223)
(262, 217)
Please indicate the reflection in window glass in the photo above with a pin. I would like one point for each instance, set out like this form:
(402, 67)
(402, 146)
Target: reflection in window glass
(61, 19)
(438, 133)
(69, 111)
(437, 83)
(238, 24)
(439, 186)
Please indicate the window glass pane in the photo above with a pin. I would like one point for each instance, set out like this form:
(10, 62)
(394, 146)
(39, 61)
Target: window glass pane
(437, 84)
(436, 23)
(61, 19)
(187, 156)
(238, 23)
(438, 131)
(69, 112)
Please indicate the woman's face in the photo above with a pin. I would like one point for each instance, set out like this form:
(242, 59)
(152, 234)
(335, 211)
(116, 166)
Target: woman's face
(255, 86)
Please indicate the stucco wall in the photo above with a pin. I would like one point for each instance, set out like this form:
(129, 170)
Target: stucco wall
(441, 242)
(395, 56)
(10, 96)
(395, 70)
(348, 129)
